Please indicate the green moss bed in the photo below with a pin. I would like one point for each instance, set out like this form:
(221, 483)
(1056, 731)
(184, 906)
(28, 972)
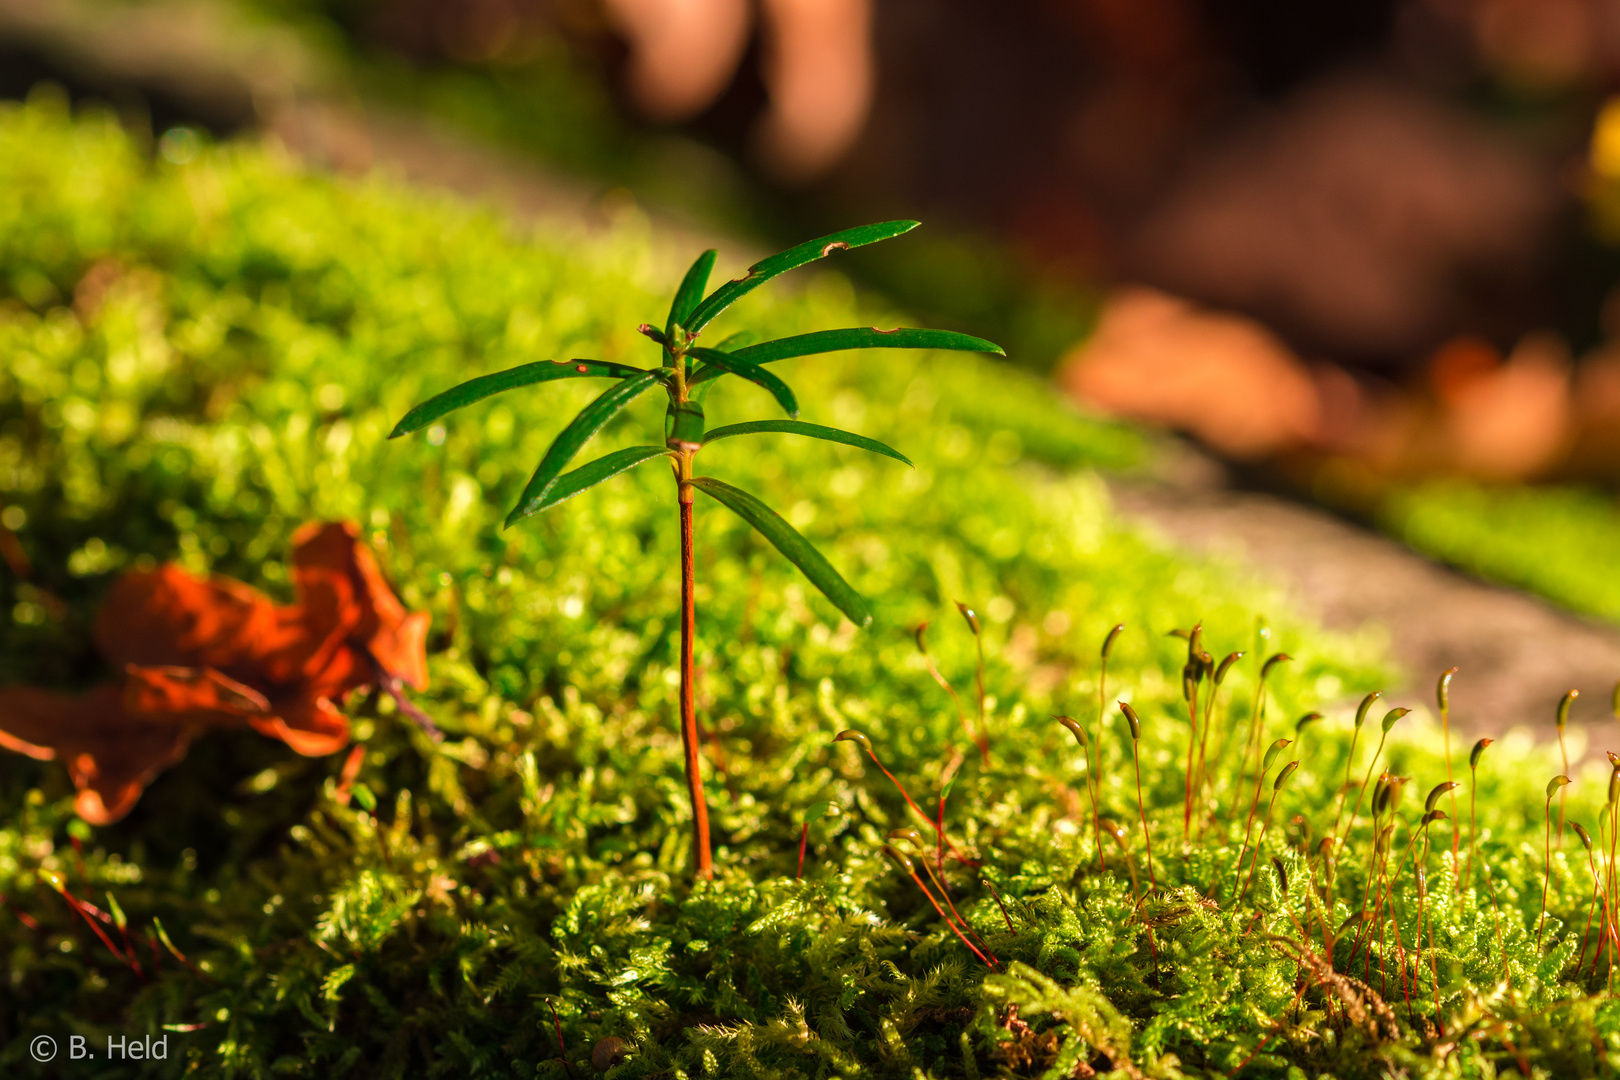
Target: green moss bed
(199, 351)
(1561, 541)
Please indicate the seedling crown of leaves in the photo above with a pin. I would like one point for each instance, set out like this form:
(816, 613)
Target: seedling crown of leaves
(686, 373)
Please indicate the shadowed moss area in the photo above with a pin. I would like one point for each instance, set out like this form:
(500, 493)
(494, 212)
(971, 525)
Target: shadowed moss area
(199, 357)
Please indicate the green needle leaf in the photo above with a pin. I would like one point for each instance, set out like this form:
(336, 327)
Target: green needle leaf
(798, 550)
(729, 364)
(814, 431)
(863, 337)
(486, 385)
(603, 468)
(791, 259)
(575, 435)
(740, 340)
(690, 292)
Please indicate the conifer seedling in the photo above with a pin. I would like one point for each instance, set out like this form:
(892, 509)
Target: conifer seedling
(686, 373)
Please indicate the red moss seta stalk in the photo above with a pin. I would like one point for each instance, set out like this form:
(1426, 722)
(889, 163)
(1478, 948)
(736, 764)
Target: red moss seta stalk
(1257, 721)
(562, 1050)
(978, 641)
(1554, 786)
(1597, 894)
(1276, 789)
(1094, 774)
(917, 842)
(804, 838)
(947, 779)
(1377, 879)
(1112, 829)
(905, 865)
(1141, 808)
(1192, 746)
(74, 903)
(1443, 695)
(1091, 793)
(997, 895)
(1201, 774)
(866, 744)
(981, 739)
(1562, 719)
(1350, 760)
(1421, 878)
(1473, 791)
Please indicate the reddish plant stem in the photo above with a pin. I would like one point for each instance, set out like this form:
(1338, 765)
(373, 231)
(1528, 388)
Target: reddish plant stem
(1203, 785)
(394, 687)
(946, 893)
(948, 921)
(804, 836)
(981, 740)
(1248, 824)
(1586, 934)
(1473, 788)
(74, 903)
(1004, 916)
(11, 550)
(939, 823)
(1147, 838)
(1420, 877)
(1374, 890)
(562, 1051)
(1258, 844)
(1546, 873)
(701, 858)
(1445, 727)
(1094, 774)
(956, 852)
(1192, 745)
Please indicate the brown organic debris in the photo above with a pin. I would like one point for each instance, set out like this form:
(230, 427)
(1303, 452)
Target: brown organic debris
(195, 654)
